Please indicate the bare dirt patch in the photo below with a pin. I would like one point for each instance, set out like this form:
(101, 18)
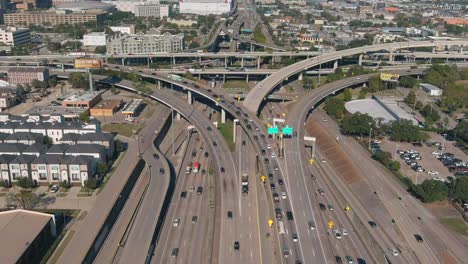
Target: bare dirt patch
(447, 258)
(333, 153)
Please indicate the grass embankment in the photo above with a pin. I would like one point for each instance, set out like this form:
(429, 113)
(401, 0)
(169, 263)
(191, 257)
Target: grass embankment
(121, 129)
(226, 131)
(235, 84)
(258, 35)
(456, 224)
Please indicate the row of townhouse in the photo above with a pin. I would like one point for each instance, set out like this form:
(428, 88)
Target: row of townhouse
(47, 169)
(104, 139)
(96, 151)
(55, 131)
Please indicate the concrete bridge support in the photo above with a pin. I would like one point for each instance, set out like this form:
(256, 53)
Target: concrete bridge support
(223, 116)
(242, 61)
(234, 130)
(159, 84)
(247, 77)
(225, 62)
(123, 61)
(335, 64)
(189, 97)
(301, 76)
(258, 62)
(178, 116)
(360, 59)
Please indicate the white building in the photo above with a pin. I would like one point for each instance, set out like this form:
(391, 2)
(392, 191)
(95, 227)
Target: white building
(94, 39)
(152, 10)
(129, 5)
(12, 36)
(124, 29)
(205, 7)
(431, 89)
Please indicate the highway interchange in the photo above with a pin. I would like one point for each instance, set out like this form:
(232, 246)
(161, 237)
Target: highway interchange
(260, 243)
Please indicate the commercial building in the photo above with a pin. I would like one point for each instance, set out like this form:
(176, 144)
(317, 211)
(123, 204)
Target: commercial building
(107, 107)
(124, 29)
(430, 89)
(12, 36)
(89, 6)
(152, 10)
(385, 109)
(94, 39)
(27, 75)
(85, 100)
(205, 7)
(27, 235)
(144, 44)
(52, 18)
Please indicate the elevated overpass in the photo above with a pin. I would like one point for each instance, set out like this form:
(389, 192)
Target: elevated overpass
(263, 88)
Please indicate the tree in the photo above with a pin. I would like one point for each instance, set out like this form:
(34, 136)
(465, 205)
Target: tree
(100, 49)
(194, 45)
(102, 169)
(419, 105)
(25, 182)
(460, 191)
(394, 165)
(52, 82)
(431, 191)
(375, 84)
(408, 81)
(357, 124)
(84, 116)
(36, 83)
(90, 184)
(410, 99)
(430, 114)
(404, 130)
(78, 80)
(362, 93)
(332, 105)
(48, 141)
(347, 95)
(24, 198)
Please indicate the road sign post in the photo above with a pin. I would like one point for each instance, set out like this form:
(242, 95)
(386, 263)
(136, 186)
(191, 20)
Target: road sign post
(287, 131)
(270, 223)
(330, 224)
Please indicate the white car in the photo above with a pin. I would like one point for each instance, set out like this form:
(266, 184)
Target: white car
(394, 252)
(273, 155)
(323, 160)
(283, 195)
(432, 172)
(324, 119)
(54, 188)
(176, 222)
(268, 146)
(337, 234)
(344, 232)
(436, 153)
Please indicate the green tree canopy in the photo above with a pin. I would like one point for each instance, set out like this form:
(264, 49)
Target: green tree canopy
(347, 95)
(410, 99)
(404, 130)
(332, 105)
(431, 191)
(357, 124)
(408, 81)
(430, 114)
(460, 192)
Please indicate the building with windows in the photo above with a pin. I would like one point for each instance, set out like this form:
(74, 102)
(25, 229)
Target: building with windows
(144, 44)
(152, 10)
(95, 39)
(205, 7)
(12, 36)
(430, 89)
(52, 18)
(27, 75)
(124, 29)
(7, 98)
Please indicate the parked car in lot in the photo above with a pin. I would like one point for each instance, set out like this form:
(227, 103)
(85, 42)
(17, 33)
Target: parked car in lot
(433, 172)
(54, 188)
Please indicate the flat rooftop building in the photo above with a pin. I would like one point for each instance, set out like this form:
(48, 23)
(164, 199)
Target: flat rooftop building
(53, 18)
(106, 107)
(26, 236)
(85, 100)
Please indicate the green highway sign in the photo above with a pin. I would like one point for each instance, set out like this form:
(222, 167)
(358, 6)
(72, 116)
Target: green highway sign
(273, 130)
(287, 130)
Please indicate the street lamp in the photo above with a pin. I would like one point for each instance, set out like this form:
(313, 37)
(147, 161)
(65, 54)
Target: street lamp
(394, 153)
(370, 135)
(443, 143)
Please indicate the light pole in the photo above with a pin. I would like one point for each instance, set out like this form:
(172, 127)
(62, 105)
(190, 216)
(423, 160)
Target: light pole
(443, 143)
(370, 136)
(417, 174)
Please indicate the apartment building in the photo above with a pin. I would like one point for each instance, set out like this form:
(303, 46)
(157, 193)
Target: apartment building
(27, 75)
(7, 98)
(13, 36)
(52, 18)
(152, 10)
(144, 44)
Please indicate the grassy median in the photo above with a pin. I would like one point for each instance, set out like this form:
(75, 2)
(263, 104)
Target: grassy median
(226, 131)
(456, 224)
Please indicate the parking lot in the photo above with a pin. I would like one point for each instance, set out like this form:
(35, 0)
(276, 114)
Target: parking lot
(428, 161)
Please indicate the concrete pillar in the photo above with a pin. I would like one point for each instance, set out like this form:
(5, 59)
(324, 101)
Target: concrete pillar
(433, 49)
(258, 62)
(242, 61)
(461, 49)
(225, 62)
(300, 76)
(123, 61)
(199, 59)
(177, 116)
(335, 64)
(159, 84)
(390, 57)
(189, 97)
(234, 131)
(173, 60)
(149, 61)
(223, 116)
(247, 77)
(224, 78)
(360, 59)
(251, 47)
(272, 60)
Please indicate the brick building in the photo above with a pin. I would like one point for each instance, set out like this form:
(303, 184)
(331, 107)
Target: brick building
(27, 75)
